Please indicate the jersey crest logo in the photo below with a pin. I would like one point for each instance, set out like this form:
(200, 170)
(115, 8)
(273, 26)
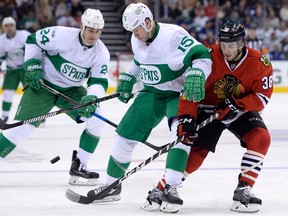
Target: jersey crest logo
(228, 85)
(150, 74)
(15, 54)
(73, 72)
(265, 61)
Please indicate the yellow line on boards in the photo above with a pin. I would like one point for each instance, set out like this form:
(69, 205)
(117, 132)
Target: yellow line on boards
(113, 89)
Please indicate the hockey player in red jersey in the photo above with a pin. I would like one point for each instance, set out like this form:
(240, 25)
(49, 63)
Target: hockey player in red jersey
(239, 86)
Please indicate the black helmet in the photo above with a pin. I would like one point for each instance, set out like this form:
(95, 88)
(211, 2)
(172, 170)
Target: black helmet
(231, 31)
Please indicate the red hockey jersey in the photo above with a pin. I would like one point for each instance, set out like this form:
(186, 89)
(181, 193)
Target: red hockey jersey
(250, 82)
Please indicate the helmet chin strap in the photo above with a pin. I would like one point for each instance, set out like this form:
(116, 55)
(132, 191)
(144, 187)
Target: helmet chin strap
(149, 31)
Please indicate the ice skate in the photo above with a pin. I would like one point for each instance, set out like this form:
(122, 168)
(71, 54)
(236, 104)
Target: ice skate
(79, 174)
(112, 196)
(171, 202)
(4, 119)
(153, 200)
(244, 200)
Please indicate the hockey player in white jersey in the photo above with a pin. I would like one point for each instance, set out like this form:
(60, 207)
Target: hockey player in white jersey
(166, 58)
(12, 44)
(65, 58)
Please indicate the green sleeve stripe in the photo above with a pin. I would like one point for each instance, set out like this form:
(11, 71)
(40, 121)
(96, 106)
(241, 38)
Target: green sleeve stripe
(31, 39)
(100, 81)
(32, 62)
(197, 52)
(136, 62)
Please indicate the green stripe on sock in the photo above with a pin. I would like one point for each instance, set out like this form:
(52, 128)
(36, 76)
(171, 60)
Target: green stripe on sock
(5, 146)
(116, 169)
(6, 106)
(177, 160)
(88, 142)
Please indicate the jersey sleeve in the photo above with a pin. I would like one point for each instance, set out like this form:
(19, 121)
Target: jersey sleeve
(98, 80)
(184, 48)
(187, 108)
(43, 39)
(2, 51)
(134, 67)
(262, 87)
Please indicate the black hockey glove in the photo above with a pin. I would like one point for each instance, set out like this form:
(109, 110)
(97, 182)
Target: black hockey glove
(228, 109)
(187, 128)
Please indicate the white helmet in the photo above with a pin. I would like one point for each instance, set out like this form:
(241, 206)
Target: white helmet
(135, 15)
(92, 18)
(8, 20)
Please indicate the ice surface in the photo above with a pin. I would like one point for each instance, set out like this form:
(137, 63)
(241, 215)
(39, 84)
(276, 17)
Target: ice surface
(30, 185)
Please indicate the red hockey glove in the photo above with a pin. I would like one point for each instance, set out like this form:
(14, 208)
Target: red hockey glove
(187, 128)
(228, 109)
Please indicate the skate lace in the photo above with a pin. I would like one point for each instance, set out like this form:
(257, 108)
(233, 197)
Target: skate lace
(172, 191)
(100, 189)
(247, 192)
(83, 168)
(155, 193)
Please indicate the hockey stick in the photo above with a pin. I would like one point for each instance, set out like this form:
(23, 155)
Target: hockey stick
(53, 91)
(78, 198)
(4, 126)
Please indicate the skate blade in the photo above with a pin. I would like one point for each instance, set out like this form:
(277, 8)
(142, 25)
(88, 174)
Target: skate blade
(153, 206)
(239, 207)
(169, 207)
(79, 181)
(113, 198)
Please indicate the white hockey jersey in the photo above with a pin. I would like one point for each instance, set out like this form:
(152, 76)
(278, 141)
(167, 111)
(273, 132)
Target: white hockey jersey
(12, 49)
(162, 64)
(66, 62)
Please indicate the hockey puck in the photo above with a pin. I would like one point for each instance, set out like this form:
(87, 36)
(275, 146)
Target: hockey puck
(54, 160)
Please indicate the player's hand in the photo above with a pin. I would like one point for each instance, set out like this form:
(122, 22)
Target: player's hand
(33, 73)
(125, 85)
(228, 109)
(187, 128)
(194, 85)
(88, 110)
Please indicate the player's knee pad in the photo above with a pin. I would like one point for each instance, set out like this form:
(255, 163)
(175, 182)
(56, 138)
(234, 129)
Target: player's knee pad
(8, 95)
(122, 149)
(17, 134)
(257, 140)
(94, 125)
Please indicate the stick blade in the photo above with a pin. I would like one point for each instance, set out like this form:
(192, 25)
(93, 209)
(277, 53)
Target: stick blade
(77, 198)
(2, 125)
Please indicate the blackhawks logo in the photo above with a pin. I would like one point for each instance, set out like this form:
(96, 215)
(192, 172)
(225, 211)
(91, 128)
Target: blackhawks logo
(229, 85)
(265, 61)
